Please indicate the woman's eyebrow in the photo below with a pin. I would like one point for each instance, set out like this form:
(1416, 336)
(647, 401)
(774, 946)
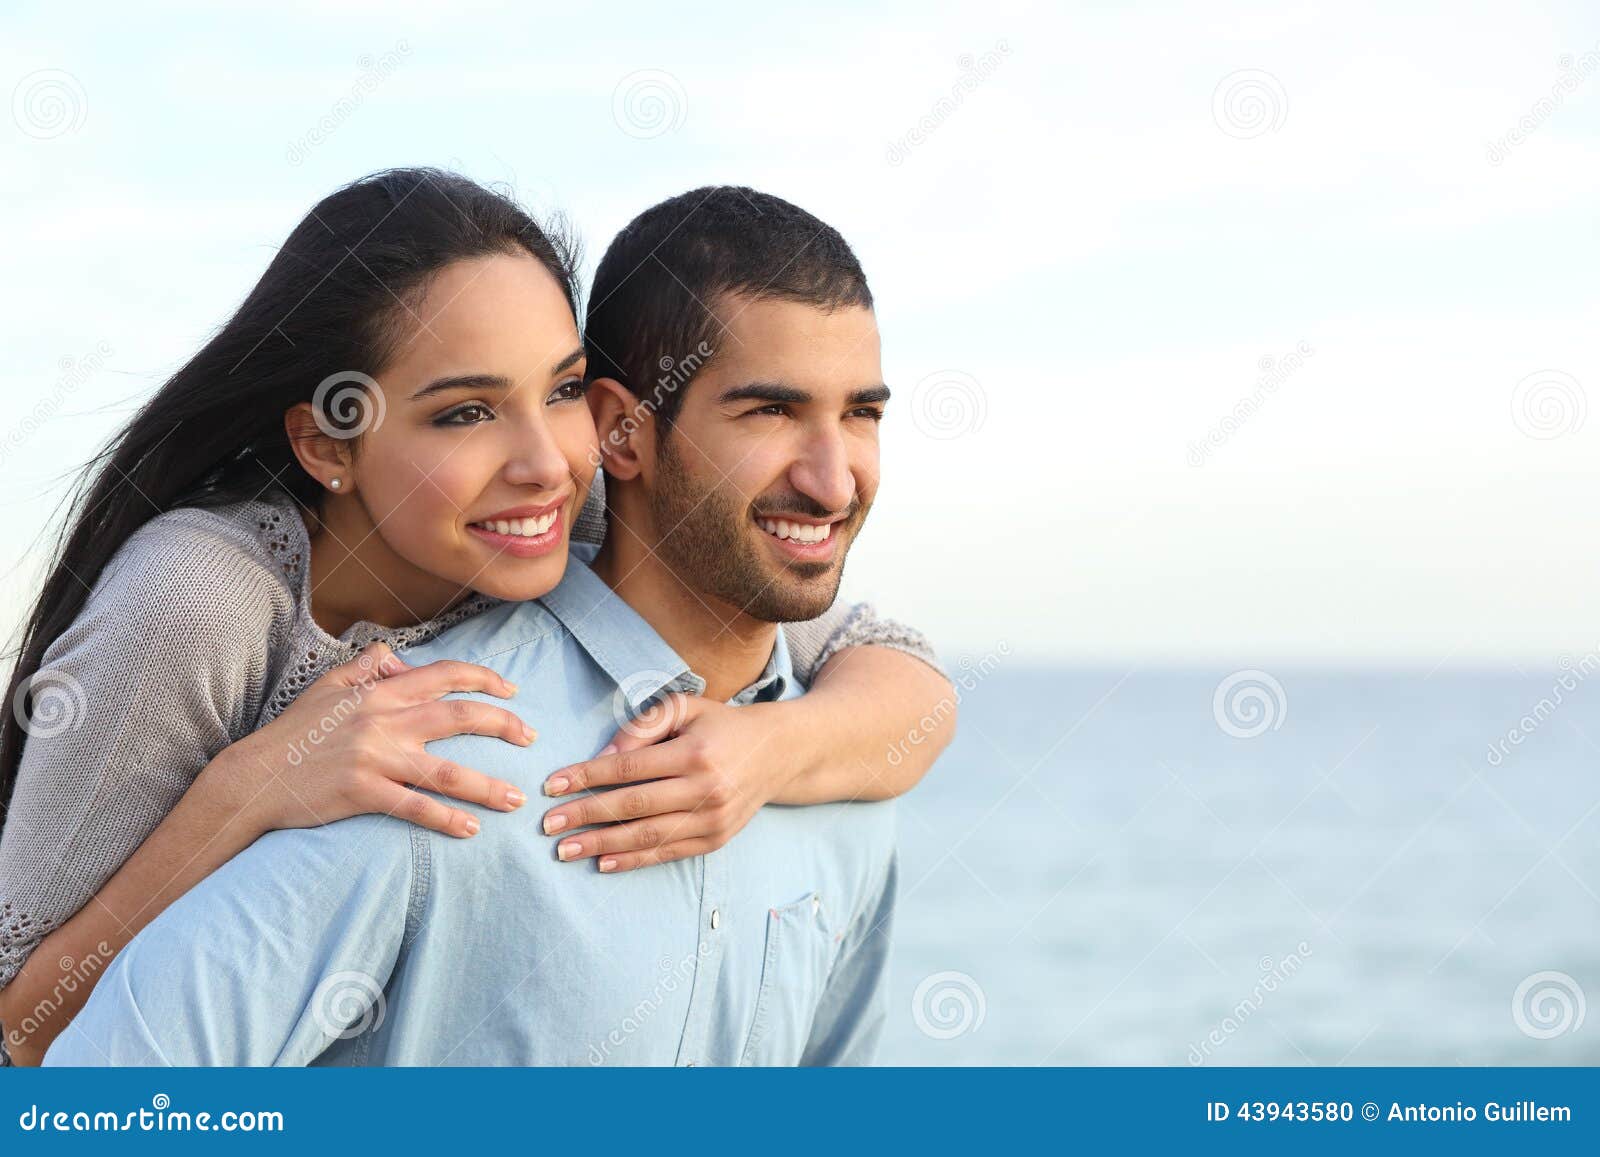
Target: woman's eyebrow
(568, 362)
(488, 381)
(463, 382)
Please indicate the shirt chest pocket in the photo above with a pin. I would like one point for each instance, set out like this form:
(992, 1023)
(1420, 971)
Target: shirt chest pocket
(794, 972)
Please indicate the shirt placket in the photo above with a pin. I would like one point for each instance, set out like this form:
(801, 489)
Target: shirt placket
(695, 1047)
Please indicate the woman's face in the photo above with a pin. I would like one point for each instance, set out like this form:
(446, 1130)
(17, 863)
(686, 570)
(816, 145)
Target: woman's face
(485, 447)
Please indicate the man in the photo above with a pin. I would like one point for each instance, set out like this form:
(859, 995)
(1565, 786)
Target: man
(736, 488)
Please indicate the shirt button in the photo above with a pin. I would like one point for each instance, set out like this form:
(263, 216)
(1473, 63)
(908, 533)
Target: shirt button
(816, 904)
(716, 918)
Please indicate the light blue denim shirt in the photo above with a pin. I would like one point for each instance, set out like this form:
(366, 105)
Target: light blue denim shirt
(372, 941)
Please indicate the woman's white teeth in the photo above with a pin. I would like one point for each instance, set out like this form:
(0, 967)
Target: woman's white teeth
(796, 531)
(525, 527)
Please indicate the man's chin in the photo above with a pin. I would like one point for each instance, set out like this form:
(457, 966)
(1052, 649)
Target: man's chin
(796, 596)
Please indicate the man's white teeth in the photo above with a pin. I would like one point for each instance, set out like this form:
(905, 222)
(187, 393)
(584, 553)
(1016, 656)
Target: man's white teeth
(796, 531)
(524, 527)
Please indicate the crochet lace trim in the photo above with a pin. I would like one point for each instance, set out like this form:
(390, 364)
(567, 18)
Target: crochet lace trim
(283, 532)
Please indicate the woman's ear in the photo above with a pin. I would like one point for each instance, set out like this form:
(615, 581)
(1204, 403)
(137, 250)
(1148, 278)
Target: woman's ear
(625, 426)
(324, 458)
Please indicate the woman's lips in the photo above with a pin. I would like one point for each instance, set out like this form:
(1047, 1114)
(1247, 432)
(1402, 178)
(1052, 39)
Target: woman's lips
(523, 545)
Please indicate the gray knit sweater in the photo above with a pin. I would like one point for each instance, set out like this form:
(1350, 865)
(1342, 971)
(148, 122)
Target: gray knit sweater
(198, 632)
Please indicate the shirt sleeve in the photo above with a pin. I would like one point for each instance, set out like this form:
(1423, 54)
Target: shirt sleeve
(813, 643)
(284, 950)
(164, 667)
(850, 1019)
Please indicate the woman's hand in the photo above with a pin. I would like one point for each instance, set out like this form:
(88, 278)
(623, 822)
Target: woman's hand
(352, 743)
(696, 771)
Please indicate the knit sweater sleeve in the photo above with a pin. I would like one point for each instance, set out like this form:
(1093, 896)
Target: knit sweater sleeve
(811, 643)
(164, 667)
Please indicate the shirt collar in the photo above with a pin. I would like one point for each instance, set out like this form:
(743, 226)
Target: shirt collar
(629, 650)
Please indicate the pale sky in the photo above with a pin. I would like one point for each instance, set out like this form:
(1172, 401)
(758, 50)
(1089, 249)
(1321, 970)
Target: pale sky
(1092, 229)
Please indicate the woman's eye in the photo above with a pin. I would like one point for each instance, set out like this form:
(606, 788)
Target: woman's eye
(569, 391)
(469, 414)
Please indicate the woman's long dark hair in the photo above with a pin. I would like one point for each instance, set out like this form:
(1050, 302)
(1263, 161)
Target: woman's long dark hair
(333, 300)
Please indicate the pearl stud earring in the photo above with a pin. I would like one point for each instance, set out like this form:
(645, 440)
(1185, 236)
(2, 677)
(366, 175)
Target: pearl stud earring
(334, 483)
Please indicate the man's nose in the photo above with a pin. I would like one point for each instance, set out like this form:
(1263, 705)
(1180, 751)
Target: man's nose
(823, 473)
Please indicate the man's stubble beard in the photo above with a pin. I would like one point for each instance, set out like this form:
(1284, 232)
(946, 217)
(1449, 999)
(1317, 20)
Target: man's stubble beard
(704, 542)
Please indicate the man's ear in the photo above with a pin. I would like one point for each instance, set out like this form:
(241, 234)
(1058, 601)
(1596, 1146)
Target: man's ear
(323, 457)
(626, 427)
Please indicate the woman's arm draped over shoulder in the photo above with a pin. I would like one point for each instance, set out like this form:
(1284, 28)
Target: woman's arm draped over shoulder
(878, 712)
(165, 667)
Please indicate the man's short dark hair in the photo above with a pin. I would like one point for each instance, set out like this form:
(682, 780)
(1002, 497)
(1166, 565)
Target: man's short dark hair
(650, 324)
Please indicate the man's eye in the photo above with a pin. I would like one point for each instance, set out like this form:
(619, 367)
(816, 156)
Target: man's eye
(871, 412)
(469, 414)
(775, 409)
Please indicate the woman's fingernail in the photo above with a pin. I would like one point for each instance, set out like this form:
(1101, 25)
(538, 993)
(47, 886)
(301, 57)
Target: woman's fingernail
(553, 823)
(556, 785)
(510, 688)
(609, 749)
(515, 798)
(472, 826)
(569, 850)
(607, 865)
(528, 734)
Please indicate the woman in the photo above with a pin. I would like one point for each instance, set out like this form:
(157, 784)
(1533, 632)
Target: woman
(213, 655)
